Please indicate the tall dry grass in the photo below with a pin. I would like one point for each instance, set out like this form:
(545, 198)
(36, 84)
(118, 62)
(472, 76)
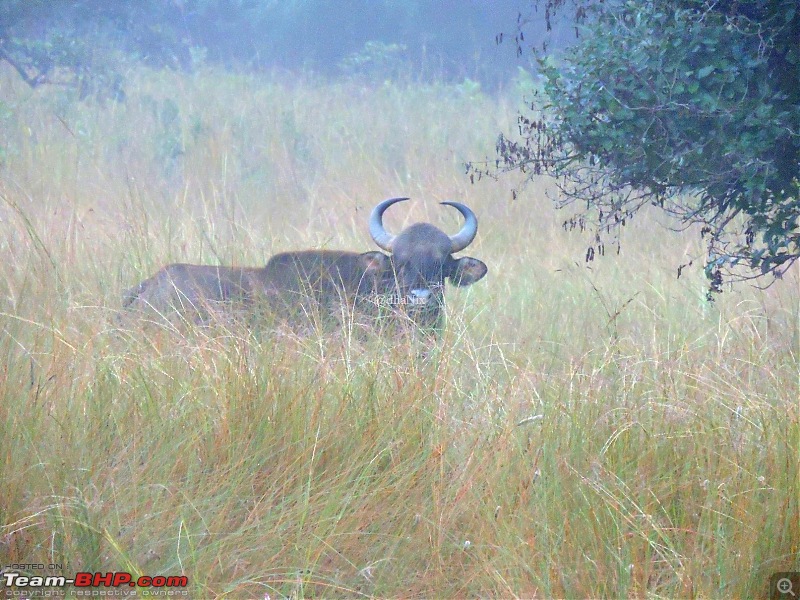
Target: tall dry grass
(578, 431)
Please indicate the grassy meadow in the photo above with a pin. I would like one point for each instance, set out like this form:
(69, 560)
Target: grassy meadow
(579, 430)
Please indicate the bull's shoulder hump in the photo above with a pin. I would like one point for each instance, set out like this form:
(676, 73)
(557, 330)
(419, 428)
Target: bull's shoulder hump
(283, 258)
(173, 270)
(175, 267)
(310, 257)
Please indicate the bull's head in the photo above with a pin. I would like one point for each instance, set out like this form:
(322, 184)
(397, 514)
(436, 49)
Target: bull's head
(421, 258)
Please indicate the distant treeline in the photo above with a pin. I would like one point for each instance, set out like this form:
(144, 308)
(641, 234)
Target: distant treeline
(421, 39)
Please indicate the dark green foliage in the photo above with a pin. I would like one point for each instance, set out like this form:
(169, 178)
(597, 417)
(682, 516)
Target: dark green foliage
(689, 105)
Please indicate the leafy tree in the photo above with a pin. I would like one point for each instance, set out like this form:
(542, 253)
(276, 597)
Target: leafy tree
(690, 105)
(83, 43)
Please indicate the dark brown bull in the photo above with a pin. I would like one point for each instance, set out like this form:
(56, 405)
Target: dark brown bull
(322, 284)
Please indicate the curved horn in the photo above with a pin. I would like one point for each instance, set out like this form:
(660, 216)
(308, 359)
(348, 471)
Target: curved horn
(381, 237)
(468, 232)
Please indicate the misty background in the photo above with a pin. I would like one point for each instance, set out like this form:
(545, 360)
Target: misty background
(419, 40)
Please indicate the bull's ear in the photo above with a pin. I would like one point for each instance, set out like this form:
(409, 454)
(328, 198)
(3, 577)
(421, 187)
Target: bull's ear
(467, 271)
(374, 263)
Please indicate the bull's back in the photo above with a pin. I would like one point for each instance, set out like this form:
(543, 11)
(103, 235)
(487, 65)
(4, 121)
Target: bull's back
(195, 290)
(312, 273)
